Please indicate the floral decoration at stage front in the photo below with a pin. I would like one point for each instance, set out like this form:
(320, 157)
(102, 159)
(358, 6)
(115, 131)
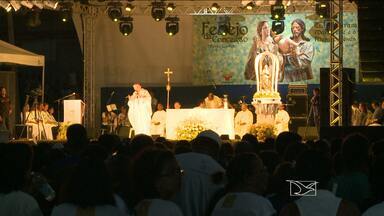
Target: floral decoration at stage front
(263, 131)
(62, 134)
(190, 128)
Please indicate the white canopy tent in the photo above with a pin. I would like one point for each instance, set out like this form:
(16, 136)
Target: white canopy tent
(15, 55)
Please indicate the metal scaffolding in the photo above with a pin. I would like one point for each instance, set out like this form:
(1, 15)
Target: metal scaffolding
(336, 64)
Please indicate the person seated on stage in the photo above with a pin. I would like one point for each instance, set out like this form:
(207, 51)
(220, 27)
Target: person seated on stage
(355, 114)
(282, 119)
(243, 120)
(158, 121)
(213, 102)
(24, 114)
(247, 181)
(365, 115)
(36, 121)
(109, 121)
(122, 118)
(377, 113)
(200, 105)
(177, 105)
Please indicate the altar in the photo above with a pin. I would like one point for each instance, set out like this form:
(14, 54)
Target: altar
(219, 120)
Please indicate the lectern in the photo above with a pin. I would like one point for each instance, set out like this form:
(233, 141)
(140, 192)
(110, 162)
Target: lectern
(73, 111)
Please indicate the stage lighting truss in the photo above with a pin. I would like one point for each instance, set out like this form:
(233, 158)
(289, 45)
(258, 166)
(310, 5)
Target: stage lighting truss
(158, 10)
(51, 4)
(114, 11)
(6, 5)
(278, 26)
(126, 25)
(27, 4)
(323, 9)
(278, 12)
(15, 5)
(172, 25)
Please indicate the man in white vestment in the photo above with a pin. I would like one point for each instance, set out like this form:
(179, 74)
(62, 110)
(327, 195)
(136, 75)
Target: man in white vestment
(243, 120)
(213, 102)
(158, 121)
(140, 110)
(282, 120)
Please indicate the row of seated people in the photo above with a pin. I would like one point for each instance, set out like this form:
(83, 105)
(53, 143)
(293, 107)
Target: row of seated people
(206, 176)
(40, 118)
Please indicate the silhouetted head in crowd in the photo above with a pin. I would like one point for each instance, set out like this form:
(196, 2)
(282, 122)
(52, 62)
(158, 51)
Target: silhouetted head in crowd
(293, 151)
(378, 148)
(314, 166)
(76, 138)
(15, 166)
(89, 184)
(322, 146)
(205, 145)
(283, 140)
(109, 142)
(355, 153)
(246, 173)
(140, 143)
(270, 160)
(157, 175)
(283, 171)
(245, 147)
(251, 139)
(183, 146)
(377, 177)
(226, 153)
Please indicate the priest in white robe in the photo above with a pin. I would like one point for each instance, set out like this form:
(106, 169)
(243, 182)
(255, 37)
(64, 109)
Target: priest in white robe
(281, 120)
(213, 102)
(158, 121)
(140, 110)
(243, 121)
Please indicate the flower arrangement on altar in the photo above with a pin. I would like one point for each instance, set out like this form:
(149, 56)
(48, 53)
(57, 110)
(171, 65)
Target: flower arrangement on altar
(266, 95)
(190, 128)
(263, 131)
(62, 134)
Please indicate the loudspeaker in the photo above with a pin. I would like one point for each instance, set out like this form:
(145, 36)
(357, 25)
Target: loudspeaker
(348, 81)
(26, 129)
(296, 122)
(297, 105)
(308, 133)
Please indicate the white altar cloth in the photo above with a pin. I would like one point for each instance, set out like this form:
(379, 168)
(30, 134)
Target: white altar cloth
(219, 120)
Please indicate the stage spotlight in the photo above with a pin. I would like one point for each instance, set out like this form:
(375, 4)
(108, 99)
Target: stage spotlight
(6, 5)
(51, 4)
(65, 11)
(278, 26)
(129, 7)
(114, 11)
(15, 4)
(250, 6)
(27, 4)
(38, 4)
(172, 25)
(171, 7)
(322, 9)
(277, 12)
(126, 25)
(158, 11)
(215, 7)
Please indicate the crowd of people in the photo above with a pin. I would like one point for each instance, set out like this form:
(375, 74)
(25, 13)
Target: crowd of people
(363, 116)
(205, 176)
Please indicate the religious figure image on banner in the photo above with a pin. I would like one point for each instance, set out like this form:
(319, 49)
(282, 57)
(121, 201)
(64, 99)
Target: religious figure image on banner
(140, 110)
(262, 42)
(298, 53)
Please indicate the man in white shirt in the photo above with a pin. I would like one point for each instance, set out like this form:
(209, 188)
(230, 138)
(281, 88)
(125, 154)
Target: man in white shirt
(158, 121)
(213, 102)
(243, 120)
(140, 110)
(281, 119)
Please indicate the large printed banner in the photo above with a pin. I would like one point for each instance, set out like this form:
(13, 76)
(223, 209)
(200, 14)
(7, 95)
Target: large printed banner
(303, 48)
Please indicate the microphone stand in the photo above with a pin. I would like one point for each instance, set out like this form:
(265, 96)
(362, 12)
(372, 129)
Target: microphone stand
(58, 104)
